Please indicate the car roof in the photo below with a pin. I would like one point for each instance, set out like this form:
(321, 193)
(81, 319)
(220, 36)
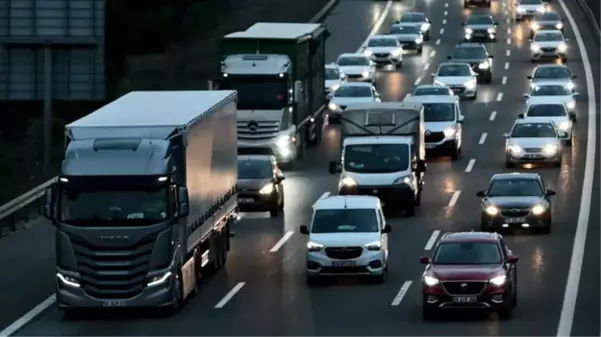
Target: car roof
(331, 66)
(413, 13)
(355, 84)
(513, 175)
(432, 99)
(347, 202)
(470, 237)
(352, 55)
(257, 157)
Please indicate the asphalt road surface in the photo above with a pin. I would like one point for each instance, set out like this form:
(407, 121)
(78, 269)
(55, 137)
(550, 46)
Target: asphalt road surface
(263, 291)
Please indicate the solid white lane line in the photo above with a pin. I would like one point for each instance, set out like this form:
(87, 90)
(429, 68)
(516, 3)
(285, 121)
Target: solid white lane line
(446, 13)
(454, 198)
(432, 53)
(282, 241)
(507, 20)
(418, 81)
(470, 165)
(437, 42)
(441, 31)
(432, 240)
(499, 97)
(508, 52)
(508, 40)
(377, 25)
(402, 292)
(504, 80)
(230, 295)
(506, 65)
(492, 116)
(571, 293)
(482, 138)
(31, 314)
(427, 66)
(444, 22)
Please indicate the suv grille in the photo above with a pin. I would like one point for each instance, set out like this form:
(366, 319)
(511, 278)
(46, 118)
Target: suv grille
(434, 137)
(344, 253)
(265, 130)
(464, 288)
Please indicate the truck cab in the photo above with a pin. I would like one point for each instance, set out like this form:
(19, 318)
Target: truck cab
(383, 154)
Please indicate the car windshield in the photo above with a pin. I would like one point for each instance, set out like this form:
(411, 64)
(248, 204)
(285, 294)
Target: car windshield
(548, 37)
(404, 30)
(514, 188)
(454, 70)
(345, 221)
(376, 158)
(439, 112)
(353, 61)
(547, 110)
(332, 74)
(460, 253)
(533, 130)
(432, 91)
(353, 91)
(254, 169)
(552, 73)
(548, 16)
(469, 53)
(530, 2)
(550, 90)
(382, 42)
(479, 20)
(413, 17)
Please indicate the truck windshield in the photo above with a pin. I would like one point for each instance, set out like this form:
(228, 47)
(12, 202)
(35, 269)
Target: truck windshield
(259, 94)
(376, 158)
(128, 206)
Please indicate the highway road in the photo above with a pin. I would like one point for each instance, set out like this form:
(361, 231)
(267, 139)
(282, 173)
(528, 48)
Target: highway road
(263, 291)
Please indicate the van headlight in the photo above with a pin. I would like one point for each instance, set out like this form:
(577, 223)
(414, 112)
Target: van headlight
(376, 245)
(550, 150)
(402, 180)
(348, 182)
(538, 209)
(535, 47)
(267, 189)
(449, 132)
(562, 47)
(491, 210)
(484, 65)
(159, 279)
(431, 281)
(498, 281)
(314, 246)
(68, 281)
(564, 126)
(471, 84)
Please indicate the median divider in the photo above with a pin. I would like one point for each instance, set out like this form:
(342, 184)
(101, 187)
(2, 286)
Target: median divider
(23, 208)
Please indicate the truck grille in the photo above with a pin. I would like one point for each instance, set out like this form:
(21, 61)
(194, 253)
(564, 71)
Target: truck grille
(264, 130)
(434, 137)
(114, 273)
(344, 253)
(464, 288)
(515, 212)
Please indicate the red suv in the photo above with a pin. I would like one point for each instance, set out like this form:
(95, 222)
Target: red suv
(471, 270)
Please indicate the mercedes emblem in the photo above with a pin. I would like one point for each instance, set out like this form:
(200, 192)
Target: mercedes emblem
(428, 132)
(252, 126)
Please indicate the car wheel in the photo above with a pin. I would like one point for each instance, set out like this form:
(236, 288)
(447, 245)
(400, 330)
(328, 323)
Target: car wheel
(427, 37)
(547, 228)
(514, 298)
(489, 79)
(428, 314)
(475, 96)
(509, 164)
(379, 279)
(418, 199)
(282, 204)
(455, 154)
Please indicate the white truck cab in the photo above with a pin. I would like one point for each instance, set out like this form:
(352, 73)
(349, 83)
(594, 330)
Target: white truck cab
(348, 235)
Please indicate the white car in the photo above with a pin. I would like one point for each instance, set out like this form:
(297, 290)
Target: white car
(545, 74)
(357, 67)
(528, 8)
(555, 112)
(409, 36)
(348, 235)
(548, 45)
(351, 93)
(417, 19)
(552, 93)
(384, 49)
(432, 90)
(459, 77)
(333, 78)
(532, 141)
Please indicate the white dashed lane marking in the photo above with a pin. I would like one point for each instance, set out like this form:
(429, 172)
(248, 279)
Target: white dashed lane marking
(432, 240)
(417, 81)
(446, 5)
(499, 97)
(444, 22)
(445, 13)
(437, 42)
(492, 116)
(482, 139)
(432, 53)
(470, 165)
(508, 30)
(508, 41)
(401, 294)
(504, 80)
(454, 198)
(441, 31)
(506, 65)
(508, 52)
(427, 66)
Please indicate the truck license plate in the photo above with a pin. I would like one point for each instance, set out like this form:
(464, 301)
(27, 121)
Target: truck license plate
(247, 200)
(344, 263)
(515, 220)
(464, 299)
(113, 303)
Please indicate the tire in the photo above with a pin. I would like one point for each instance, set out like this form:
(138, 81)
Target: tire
(410, 210)
(514, 298)
(427, 37)
(570, 141)
(456, 153)
(547, 228)
(428, 314)
(418, 199)
(489, 79)
(70, 314)
(282, 204)
(532, 61)
(176, 303)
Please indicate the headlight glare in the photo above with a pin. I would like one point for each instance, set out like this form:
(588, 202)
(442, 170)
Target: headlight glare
(471, 84)
(484, 65)
(538, 209)
(499, 280)
(348, 181)
(430, 281)
(571, 105)
(564, 126)
(550, 149)
(491, 210)
(283, 141)
(535, 26)
(335, 87)
(314, 246)
(368, 52)
(535, 47)
(515, 149)
(365, 74)
(333, 106)
(559, 26)
(469, 31)
(449, 132)
(267, 189)
(402, 180)
(540, 9)
(491, 30)
(562, 47)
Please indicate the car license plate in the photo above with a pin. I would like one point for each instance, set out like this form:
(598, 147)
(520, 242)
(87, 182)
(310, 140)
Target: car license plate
(344, 263)
(465, 299)
(430, 146)
(113, 303)
(532, 156)
(247, 200)
(515, 220)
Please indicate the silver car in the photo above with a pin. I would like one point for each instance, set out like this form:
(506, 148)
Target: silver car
(556, 113)
(546, 21)
(409, 36)
(548, 45)
(532, 141)
(350, 93)
(384, 49)
(552, 93)
(357, 67)
(417, 19)
(528, 8)
(546, 74)
(480, 27)
(432, 90)
(333, 78)
(459, 77)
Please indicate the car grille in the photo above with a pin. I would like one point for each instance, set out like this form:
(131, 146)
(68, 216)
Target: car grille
(381, 54)
(457, 90)
(344, 253)
(434, 137)
(479, 32)
(344, 270)
(548, 50)
(532, 150)
(354, 76)
(464, 288)
(515, 212)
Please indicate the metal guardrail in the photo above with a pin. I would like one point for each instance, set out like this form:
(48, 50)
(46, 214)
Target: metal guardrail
(23, 208)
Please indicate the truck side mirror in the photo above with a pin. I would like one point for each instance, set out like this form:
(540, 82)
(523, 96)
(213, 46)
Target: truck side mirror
(298, 91)
(481, 194)
(183, 208)
(48, 207)
(335, 167)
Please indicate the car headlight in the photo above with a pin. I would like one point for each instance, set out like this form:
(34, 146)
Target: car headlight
(535, 26)
(348, 181)
(471, 84)
(562, 47)
(395, 52)
(402, 180)
(571, 105)
(425, 27)
(514, 149)
(430, 281)
(333, 106)
(491, 30)
(314, 246)
(564, 126)
(267, 189)
(449, 132)
(540, 9)
(559, 26)
(521, 9)
(571, 85)
(469, 31)
(69, 281)
(498, 281)
(484, 65)
(335, 87)
(368, 52)
(283, 141)
(535, 47)
(491, 210)
(419, 40)
(550, 149)
(538, 209)
(365, 74)
(160, 279)
(376, 245)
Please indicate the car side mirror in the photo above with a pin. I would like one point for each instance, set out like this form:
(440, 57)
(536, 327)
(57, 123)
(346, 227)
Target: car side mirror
(505, 135)
(386, 229)
(574, 77)
(304, 230)
(529, 77)
(521, 116)
(526, 95)
(550, 193)
(491, 57)
(183, 209)
(335, 167)
(298, 92)
(463, 23)
(566, 40)
(461, 119)
(572, 116)
(424, 260)
(576, 94)
(48, 207)
(512, 259)
(481, 194)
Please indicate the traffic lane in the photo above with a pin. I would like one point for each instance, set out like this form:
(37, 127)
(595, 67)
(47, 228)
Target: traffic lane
(27, 252)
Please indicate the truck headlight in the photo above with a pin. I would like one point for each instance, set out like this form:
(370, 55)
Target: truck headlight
(449, 132)
(368, 52)
(469, 31)
(535, 47)
(484, 65)
(68, 281)
(348, 181)
(564, 126)
(514, 149)
(559, 26)
(571, 105)
(333, 106)
(160, 279)
(314, 246)
(550, 150)
(283, 141)
(471, 84)
(365, 74)
(491, 210)
(538, 209)
(430, 281)
(376, 245)
(498, 281)
(402, 180)
(267, 189)
(562, 47)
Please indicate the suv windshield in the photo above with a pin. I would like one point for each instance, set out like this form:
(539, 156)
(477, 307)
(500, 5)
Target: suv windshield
(332, 74)
(439, 112)
(514, 188)
(254, 169)
(255, 93)
(454, 70)
(479, 20)
(345, 221)
(382, 42)
(353, 61)
(533, 130)
(376, 158)
(551, 90)
(469, 53)
(547, 110)
(467, 253)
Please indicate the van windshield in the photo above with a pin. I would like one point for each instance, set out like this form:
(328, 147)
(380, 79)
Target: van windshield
(376, 158)
(345, 221)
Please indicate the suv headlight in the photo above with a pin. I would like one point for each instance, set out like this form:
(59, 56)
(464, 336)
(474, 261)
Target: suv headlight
(403, 180)
(550, 150)
(570, 85)
(471, 84)
(376, 245)
(430, 281)
(538, 209)
(491, 210)
(425, 27)
(419, 40)
(499, 280)
(469, 31)
(484, 65)
(491, 30)
(348, 181)
(562, 47)
(449, 132)
(368, 52)
(314, 246)
(267, 189)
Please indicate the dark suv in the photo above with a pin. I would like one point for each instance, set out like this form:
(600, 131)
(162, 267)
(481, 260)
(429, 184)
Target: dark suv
(260, 186)
(478, 58)
(469, 270)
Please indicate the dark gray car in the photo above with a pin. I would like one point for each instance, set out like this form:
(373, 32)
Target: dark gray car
(516, 200)
(478, 58)
(546, 21)
(260, 184)
(480, 27)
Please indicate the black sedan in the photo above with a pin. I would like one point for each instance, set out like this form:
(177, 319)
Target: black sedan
(260, 184)
(478, 58)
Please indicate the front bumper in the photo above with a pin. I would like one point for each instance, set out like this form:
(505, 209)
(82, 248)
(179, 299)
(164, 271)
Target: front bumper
(480, 36)
(490, 298)
(393, 196)
(509, 220)
(359, 78)
(463, 91)
(445, 145)
(386, 58)
(411, 45)
(369, 263)
(528, 158)
(547, 54)
(256, 202)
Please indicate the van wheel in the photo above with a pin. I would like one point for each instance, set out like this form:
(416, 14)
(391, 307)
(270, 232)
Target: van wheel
(275, 209)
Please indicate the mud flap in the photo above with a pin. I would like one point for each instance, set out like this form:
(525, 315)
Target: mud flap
(189, 281)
